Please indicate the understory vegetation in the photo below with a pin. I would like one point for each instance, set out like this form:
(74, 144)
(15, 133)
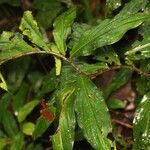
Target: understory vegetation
(75, 74)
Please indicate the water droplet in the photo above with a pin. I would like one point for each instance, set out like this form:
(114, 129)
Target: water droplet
(16, 113)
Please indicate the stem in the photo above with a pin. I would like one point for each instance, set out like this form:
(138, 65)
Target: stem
(76, 68)
(132, 67)
(122, 123)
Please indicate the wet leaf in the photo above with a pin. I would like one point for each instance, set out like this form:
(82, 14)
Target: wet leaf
(112, 5)
(133, 6)
(64, 137)
(92, 68)
(107, 32)
(12, 46)
(26, 110)
(141, 124)
(141, 49)
(107, 54)
(30, 28)
(62, 28)
(92, 114)
(78, 30)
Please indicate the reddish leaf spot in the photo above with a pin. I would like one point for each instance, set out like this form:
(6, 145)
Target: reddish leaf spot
(45, 111)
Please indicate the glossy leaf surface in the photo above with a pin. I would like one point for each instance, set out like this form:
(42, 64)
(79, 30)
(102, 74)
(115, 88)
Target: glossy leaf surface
(30, 28)
(141, 49)
(64, 137)
(12, 45)
(112, 5)
(92, 114)
(107, 32)
(62, 28)
(141, 128)
(26, 110)
(92, 68)
(107, 54)
(133, 6)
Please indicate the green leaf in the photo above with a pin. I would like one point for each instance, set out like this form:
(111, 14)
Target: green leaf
(87, 10)
(140, 49)
(62, 28)
(57, 60)
(16, 73)
(34, 146)
(64, 137)
(143, 85)
(9, 124)
(12, 45)
(107, 54)
(30, 28)
(119, 80)
(35, 78)
(40, 127)
(20, 97)
(92, 68)
(4, 102)
(26, 110)
(4, 142)
(28, 128)
(112, 5)
(50, 82)
(115, 104)
(92, 114)
(18, 142)
(141, 124)
(133, 7)
(47, 11)
(78, 30)
(3, 84)
(107, 32)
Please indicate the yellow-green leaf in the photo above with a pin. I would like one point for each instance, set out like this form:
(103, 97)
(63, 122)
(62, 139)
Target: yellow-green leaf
(3, 84)
(30, 28)
(26, 110)
(62, 28)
